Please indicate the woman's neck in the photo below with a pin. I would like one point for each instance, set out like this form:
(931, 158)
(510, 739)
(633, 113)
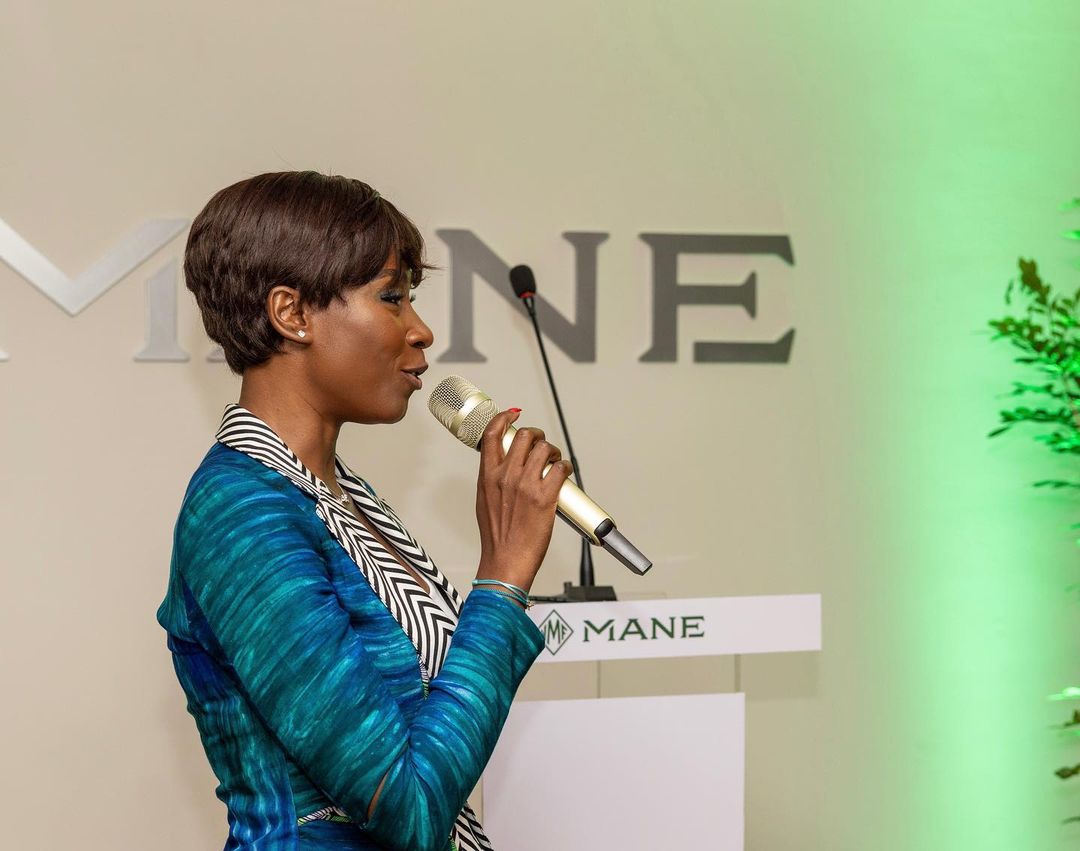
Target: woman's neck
(294, 418)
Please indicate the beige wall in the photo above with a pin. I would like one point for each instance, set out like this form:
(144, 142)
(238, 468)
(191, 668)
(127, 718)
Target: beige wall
(519, 122)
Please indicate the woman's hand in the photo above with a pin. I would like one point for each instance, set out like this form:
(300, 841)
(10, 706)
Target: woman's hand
(515, 501)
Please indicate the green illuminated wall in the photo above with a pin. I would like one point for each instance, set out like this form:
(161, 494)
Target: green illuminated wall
(947, 137)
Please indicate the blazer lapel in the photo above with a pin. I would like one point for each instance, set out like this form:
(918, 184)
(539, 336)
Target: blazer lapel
(426, 624)
(385, 519)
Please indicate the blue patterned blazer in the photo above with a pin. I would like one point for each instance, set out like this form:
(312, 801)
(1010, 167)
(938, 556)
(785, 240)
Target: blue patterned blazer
(306, 691)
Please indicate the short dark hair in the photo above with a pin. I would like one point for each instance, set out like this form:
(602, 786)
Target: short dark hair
(318, 233)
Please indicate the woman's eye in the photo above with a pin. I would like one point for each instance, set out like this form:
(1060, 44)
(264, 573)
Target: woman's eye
(396, 296)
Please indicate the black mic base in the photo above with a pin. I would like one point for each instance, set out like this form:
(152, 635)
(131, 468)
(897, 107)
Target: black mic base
(580, 594)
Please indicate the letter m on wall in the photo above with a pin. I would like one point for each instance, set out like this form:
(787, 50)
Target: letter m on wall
(75, 294)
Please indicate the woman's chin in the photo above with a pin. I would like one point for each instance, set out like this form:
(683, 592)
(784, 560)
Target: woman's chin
(388, 416)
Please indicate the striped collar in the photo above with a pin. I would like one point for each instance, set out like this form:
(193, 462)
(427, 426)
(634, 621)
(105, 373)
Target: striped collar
(242, 430)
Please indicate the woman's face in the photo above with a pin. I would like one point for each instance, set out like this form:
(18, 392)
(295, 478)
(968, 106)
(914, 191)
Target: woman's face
(366, 354)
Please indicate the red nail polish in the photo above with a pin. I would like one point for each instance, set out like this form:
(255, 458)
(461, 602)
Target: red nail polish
(516, 410)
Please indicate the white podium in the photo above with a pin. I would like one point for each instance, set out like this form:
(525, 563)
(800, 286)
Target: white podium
(634, 773)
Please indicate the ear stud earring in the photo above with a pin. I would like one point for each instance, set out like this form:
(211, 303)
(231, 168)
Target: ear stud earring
(301, 333)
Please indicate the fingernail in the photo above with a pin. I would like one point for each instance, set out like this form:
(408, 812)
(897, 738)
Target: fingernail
(516, 410)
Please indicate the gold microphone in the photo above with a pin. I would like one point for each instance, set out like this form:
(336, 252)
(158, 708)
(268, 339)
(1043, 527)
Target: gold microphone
(465, 411)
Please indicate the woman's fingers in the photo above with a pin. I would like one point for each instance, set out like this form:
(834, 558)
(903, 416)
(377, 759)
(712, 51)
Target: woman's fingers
(541, 454)
(515, 500)
(560, 471)
(521, 446)
(491, 451)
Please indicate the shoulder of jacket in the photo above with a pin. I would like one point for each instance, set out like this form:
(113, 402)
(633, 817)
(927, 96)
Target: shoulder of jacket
(229, 482)
(240, 502)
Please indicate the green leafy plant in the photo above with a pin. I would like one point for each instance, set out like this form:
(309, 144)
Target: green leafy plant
(1047, 333)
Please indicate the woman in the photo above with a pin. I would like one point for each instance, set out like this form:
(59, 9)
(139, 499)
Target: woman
(308, 628)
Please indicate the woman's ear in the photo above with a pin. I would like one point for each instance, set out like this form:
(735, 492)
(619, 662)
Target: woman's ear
(287, 314)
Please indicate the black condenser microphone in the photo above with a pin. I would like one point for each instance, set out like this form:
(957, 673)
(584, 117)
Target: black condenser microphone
(465, 411)
(524, 284)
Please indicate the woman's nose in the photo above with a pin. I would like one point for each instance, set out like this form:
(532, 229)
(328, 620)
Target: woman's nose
(419, 335)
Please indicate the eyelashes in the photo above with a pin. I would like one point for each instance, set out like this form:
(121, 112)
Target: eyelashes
(395, 297)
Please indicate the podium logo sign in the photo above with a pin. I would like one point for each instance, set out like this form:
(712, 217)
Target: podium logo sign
(556, 632)
(650, 629)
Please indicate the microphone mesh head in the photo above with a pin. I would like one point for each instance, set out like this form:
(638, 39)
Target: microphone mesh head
(472, 427)
(449, 398)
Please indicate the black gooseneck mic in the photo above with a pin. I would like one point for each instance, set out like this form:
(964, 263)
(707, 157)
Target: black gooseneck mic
(524, 283)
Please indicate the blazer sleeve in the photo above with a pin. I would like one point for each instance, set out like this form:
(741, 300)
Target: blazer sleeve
(251, 560)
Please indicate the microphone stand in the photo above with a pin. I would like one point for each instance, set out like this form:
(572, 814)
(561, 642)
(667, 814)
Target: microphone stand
(588, 591)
